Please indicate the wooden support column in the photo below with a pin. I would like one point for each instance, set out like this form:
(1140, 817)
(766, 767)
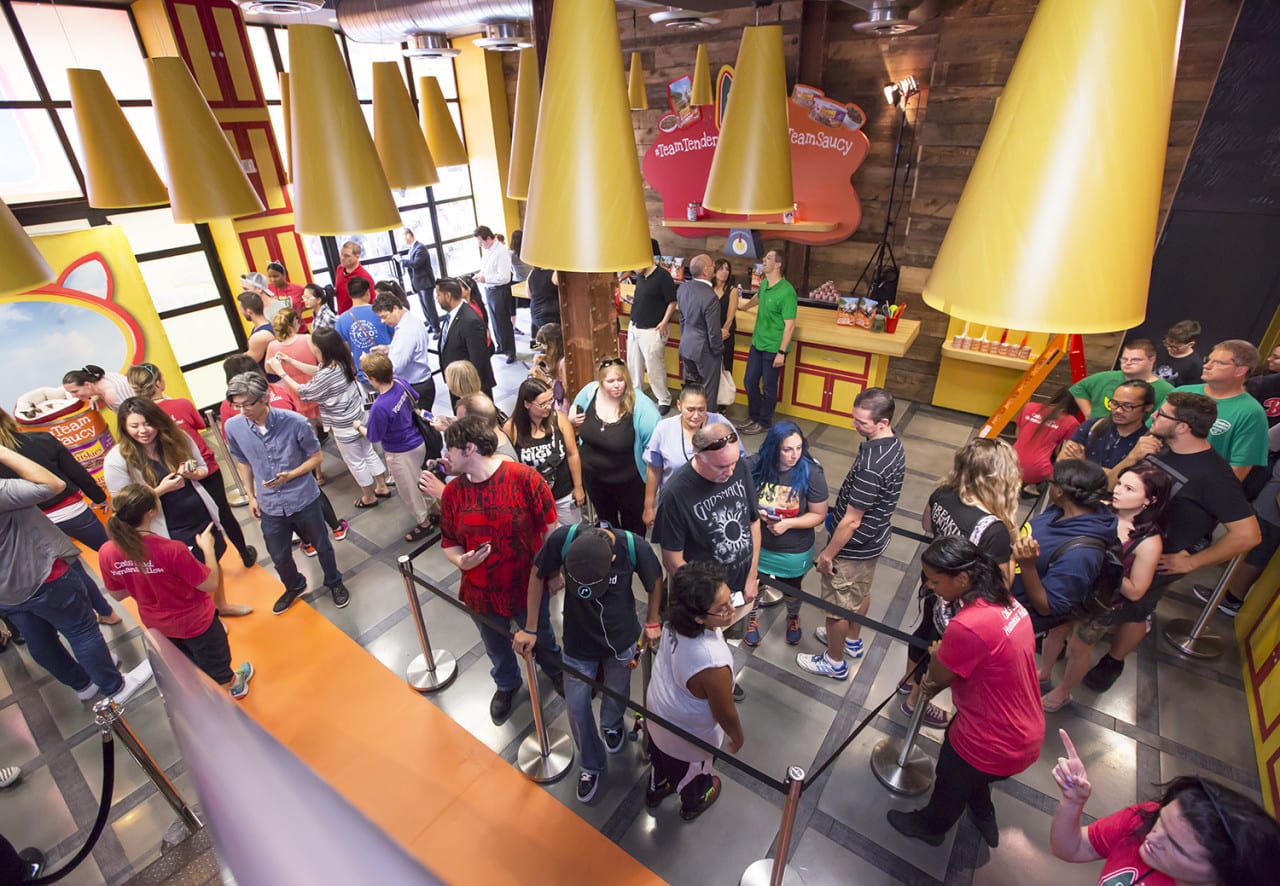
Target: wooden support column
(589, 321)
(815, 19)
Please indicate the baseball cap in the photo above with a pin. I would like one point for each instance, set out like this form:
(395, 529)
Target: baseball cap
(588, 562)
(255, 279)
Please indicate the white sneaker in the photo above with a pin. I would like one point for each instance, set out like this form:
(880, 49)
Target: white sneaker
(9, 775)
(852, 648)
(133, 681)
(89, 693)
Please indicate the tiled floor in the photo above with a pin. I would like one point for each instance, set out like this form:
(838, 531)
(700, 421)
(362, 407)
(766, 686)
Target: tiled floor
(1165, 717)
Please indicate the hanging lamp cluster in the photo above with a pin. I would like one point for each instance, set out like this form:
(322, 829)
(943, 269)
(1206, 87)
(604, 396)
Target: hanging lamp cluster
(525, 126)
(437, 123)
(403, 150)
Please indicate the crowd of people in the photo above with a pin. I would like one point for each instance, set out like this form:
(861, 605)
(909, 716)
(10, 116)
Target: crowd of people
(1136, 470)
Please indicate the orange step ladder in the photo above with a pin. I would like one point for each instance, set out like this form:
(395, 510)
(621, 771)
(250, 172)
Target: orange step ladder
(1058, 346)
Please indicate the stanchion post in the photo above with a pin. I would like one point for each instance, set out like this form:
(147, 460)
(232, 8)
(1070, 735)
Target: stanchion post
(238, 497)
(769, 595)
(1189, 638)
(109, 715)
(901, 766)
(775, 871)
(545, 755)
(432, 670)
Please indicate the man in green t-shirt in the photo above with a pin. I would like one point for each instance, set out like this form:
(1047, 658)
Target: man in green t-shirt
(770, 340)
(1137, 363)
(1240, 433)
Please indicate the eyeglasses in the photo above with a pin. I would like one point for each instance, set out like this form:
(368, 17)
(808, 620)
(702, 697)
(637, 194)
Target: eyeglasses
(1162, 414)
(611, 361)
(725, 611)
(717, 445)
(1126, 407)
(1217, 807)
(243, 406)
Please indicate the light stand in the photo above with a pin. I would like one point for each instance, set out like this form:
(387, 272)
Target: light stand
(879, 286)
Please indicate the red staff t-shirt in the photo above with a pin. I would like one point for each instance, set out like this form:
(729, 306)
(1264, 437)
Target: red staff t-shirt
(1037, 440)
(163, 585)
(184, 415)
(999, 722)
(512, 510)
(1113, 838)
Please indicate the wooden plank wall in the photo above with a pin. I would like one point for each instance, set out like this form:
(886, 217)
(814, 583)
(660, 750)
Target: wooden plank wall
(963, 58)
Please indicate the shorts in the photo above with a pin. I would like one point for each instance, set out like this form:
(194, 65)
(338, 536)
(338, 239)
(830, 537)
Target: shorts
(849, 584)
(1260, 556)
(1090, 630)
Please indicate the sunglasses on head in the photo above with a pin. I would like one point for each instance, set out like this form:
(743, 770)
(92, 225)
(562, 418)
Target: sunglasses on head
(717, 445)
(611, 361)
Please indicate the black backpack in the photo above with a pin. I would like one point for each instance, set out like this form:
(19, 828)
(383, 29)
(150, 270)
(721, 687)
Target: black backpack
(1104, 593)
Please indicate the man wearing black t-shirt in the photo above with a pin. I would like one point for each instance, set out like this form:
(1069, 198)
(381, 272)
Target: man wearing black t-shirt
(600, 629)
(708, 511)
(1205, 493)
(651, 312)
(1265, 388)
(859, 531)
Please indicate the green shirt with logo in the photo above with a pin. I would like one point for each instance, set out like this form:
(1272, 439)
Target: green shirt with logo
(777, 305)
(1240, 433)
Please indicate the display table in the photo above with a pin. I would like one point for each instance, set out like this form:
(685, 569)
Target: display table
(828, 365)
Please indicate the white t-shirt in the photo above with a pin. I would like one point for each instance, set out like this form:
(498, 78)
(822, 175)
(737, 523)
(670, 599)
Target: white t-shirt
(680, 658)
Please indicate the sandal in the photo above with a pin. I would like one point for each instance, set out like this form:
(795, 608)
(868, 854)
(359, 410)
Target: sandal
(362, 504)
(1054, 708)
(418, 533)
(386, 494)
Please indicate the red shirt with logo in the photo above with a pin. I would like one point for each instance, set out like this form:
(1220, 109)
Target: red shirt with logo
(512, 511)
(1113, 838)
(999, 722)
(163, 585)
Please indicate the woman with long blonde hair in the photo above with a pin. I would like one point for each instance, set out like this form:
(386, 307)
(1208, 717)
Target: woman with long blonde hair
(151, 450)
(978, 502)
(614, 421)
(295, 345)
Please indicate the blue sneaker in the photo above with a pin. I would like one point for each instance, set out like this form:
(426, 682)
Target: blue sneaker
(852, 648)
(752, 637)
(793, 631)
(240, 686)
(823, 666)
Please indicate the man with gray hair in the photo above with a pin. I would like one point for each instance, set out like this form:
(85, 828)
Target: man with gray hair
(275, 452)
(701, 344)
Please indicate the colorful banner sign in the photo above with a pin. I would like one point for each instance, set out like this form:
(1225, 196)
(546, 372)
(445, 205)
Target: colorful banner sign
(827, 147)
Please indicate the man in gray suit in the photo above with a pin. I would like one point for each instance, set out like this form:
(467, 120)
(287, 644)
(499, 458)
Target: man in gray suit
(701, 344)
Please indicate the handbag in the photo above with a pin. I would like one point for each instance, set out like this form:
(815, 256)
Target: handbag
(420, 424)
(727, 394)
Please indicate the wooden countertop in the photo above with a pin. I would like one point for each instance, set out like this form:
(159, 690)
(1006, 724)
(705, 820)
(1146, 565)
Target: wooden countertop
(818, 326)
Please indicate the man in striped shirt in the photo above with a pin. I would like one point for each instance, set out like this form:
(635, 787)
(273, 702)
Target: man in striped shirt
(859, 531)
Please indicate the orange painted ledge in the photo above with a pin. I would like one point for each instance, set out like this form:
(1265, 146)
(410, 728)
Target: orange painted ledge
(454, 804)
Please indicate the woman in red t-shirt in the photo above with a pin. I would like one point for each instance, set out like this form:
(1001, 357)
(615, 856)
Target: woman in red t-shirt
(987, 656)
(1198, 833)
(1041, 428)
(173, 590)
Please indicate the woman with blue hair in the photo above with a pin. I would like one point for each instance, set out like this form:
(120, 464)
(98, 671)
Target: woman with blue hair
(791, 493)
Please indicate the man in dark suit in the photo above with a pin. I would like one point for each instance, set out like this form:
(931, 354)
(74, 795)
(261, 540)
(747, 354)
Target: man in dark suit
(701, 344)
(422, 278)
(463, 334)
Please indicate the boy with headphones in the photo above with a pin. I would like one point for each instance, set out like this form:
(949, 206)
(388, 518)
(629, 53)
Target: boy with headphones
(601, 631)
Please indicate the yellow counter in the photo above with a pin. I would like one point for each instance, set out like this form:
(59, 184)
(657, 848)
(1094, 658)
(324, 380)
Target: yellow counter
(828, 365)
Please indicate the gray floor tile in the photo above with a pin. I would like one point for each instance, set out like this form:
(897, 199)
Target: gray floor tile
(928, 457)
(1024, 848)
(17, 745)
(774, 649)
(1171, 767)
(467, 702)
(1110, 758)
(854, 797)
(70, 714)
(447, 628)
(33, 812)
(929, 427)
(376, 592)
(820, 861)
(782, 727)
(736, 831)
(1194, 710)
(141, 830)
(624, 770)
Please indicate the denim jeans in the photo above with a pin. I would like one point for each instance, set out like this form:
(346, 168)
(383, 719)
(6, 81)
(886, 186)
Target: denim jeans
(277, 532)
(61, 606)
(85, 528)
(761, 379)
(577, 696)
(506, 666)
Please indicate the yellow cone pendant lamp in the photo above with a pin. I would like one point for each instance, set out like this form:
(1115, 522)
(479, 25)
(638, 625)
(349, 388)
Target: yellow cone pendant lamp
(635, 85)
(396, 134)
(118, 174)
(442, 136)
(751, 172)
(206, 181)
(586, 208)
(288, 126)
(525, 126)
(338, 183)
(1056, 227)
(702, 94)
(23, 267)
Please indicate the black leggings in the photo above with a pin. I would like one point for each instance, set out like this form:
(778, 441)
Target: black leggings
(619, 503)
(230, 525)
(957, 784)
(926, 631)
(209, 651)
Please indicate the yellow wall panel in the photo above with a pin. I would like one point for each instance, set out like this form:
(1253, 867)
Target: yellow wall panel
(198, 52)
(233, 52)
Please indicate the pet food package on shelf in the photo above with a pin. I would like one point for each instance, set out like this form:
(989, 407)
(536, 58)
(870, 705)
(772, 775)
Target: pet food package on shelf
(847, 310)
(866, 310)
